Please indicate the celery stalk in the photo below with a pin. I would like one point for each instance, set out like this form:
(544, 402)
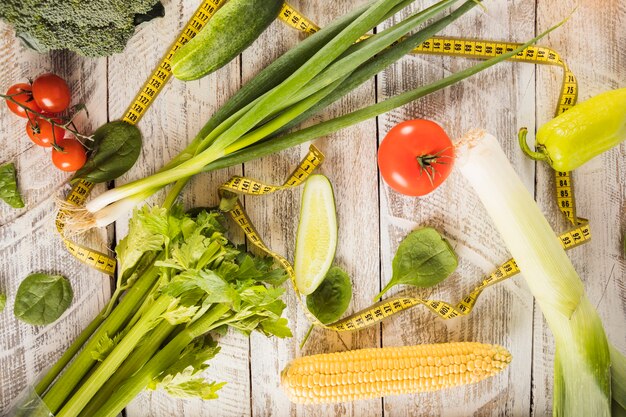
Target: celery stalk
(63, 387)
(132, 364)
(160, 362)
(582, 364)
(102, 373)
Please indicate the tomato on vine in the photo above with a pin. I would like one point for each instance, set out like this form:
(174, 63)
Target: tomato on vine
(23, 96)
(51, 93)
(415, 157)
(43, 133)
(71, 155)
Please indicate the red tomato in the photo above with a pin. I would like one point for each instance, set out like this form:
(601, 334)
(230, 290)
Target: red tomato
(415, 157)
(25, 99)
(51, 93)
(41, 132)
(73, 156)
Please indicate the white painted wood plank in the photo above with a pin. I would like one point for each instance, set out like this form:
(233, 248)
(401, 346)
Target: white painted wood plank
(351, 167)
(598, 58)
(174, 119)
(28, 239)
(503, 315)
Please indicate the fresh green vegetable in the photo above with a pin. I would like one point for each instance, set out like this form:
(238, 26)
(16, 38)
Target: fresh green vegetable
(117, 146)
(423, 259)
(618, 381)
(3, 302)
(9, 192)
(111, 205)
(181, 279)
(87, 27)
(582, 374)
(229, 32)
(332, 298)
(238, 131)
(316, 239)
(42, 298)
(581, 133)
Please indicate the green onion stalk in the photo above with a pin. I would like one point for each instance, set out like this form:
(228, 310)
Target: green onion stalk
(320, 80)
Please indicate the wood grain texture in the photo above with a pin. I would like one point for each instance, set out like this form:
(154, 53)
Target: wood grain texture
(373, 219)
(597, 55)
(503, 315)
(28, 240)
(351, 167)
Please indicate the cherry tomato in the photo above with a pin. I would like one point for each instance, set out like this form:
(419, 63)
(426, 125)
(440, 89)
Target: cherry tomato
(51, 93)
(41, 132)
(415, 157)
(73, 156)
(25, 99)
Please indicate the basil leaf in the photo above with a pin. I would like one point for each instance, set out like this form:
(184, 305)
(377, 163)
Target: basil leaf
(332, 298)
(8, 186)
(3, 302)
(424, 258)
(42, 298)
(117, 146)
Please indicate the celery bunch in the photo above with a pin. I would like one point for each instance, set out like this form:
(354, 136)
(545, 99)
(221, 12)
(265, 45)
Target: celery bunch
(182, 280)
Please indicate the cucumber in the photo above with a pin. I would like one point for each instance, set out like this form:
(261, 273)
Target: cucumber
(229, 32)
(316, 239)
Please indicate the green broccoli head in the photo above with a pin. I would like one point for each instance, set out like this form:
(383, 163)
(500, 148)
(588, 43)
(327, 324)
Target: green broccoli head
(88, 27)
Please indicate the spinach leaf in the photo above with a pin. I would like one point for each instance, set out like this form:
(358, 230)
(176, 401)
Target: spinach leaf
(117, 146)
(8, 186)
(42, 298)
(332, 298)
(424, 258)
(3, 301)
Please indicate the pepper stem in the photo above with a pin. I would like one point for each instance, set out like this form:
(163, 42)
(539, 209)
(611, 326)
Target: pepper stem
(537, 156)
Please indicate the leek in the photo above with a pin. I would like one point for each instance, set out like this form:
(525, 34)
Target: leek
(582, 385)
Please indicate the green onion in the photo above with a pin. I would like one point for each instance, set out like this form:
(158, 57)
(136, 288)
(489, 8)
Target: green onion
(289, 140)
(243, 122)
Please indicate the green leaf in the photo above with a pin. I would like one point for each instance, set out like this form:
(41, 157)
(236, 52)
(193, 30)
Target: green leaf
(8, 186)
(42, 298)
(180, 314)
(192, 360)
(3, 302)
(105, 346)
(186, 385)
(149, 229)
(117, 146)
(332, 298)
(276, 327)
(424, 258)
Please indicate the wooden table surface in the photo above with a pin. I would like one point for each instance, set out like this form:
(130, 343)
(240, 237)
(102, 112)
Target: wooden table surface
(372, 217)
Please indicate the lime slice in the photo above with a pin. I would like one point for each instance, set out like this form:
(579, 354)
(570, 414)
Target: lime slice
(317, 234)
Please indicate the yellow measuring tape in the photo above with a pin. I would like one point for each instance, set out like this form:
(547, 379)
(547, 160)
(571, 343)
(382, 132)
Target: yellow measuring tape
(480, 49)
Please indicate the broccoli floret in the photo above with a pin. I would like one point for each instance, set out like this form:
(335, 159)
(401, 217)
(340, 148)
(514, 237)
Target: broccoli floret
(88, 27)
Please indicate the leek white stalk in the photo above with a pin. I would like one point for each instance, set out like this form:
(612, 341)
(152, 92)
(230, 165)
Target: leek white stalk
(582, 384)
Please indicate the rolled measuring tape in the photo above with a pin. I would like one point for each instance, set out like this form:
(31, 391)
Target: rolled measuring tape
(468, 48)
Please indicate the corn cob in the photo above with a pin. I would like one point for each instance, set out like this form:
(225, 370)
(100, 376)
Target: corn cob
(378, 372)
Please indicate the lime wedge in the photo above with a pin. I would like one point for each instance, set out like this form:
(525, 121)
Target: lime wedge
(316, 240)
